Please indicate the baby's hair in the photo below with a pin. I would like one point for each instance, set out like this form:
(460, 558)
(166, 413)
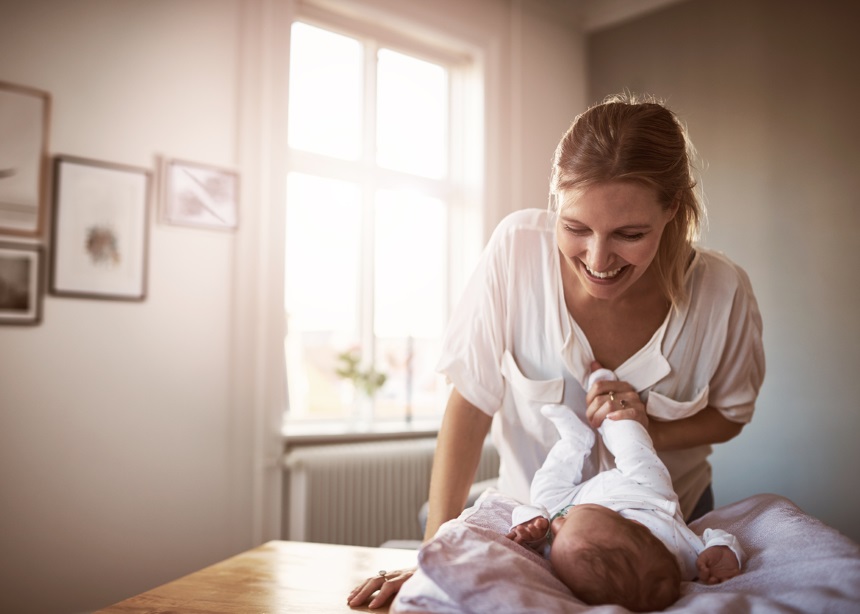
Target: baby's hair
(600, 576)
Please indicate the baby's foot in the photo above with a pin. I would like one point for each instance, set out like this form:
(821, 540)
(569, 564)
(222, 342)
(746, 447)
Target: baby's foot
(568, 424)
(599, 375)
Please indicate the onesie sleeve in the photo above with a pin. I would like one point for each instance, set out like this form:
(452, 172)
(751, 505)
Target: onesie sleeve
(718, 537)
(737, 380)
(523, 513)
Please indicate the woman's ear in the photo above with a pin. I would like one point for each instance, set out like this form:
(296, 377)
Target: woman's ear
(673, 209)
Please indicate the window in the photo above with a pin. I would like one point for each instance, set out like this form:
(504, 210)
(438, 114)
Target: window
(377, 221)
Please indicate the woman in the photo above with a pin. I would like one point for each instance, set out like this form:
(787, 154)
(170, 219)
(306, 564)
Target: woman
(608, 276)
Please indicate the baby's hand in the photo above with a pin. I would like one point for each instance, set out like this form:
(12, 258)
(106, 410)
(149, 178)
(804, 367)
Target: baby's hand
(531, 533)
(717, 564)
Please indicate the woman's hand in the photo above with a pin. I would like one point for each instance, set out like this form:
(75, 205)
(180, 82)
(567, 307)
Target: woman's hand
(388, 584)
(615, 400)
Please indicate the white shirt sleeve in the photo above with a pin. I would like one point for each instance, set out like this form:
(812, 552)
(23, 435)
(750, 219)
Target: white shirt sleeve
(474, 339)
(735, 384)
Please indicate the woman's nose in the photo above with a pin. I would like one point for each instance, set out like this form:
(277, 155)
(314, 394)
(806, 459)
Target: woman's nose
(598, 254)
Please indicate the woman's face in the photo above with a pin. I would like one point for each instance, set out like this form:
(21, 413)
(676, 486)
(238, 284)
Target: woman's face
(608, 236)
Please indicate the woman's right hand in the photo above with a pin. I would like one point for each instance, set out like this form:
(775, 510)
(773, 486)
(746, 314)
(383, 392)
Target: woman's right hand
(387, 583)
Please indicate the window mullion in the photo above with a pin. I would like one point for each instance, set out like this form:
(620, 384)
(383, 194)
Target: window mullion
(369, 188)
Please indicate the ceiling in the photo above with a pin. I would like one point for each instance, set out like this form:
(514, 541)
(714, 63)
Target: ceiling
(593, 15)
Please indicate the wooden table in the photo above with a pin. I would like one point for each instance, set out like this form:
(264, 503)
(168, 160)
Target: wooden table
(277, 577)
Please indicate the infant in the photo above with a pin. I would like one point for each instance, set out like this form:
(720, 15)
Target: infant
(618, 537)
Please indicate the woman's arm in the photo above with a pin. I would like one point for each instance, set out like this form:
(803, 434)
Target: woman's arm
(458, 452)
(705, 427)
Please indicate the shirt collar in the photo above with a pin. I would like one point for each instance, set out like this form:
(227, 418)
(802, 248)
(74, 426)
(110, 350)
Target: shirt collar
(642, 370)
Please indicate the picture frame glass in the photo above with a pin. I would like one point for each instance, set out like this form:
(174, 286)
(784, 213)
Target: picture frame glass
(24, 114)
(100, 230)
(20, 284)
(200, 195)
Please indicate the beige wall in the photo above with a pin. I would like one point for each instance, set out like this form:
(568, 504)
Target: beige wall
(139, 441)
(769, 90)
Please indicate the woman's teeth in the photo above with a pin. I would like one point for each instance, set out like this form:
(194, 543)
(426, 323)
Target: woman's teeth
(604, 275)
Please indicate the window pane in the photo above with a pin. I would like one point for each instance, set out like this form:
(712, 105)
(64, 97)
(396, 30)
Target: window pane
(321, 289)
(412, 115)
(410, 298)
(325, 106)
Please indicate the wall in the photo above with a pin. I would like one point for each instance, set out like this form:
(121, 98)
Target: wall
(119, 465)
(768, 90)
(139, 441)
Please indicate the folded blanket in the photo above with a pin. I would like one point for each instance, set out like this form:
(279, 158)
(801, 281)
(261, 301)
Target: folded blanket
(795, 564)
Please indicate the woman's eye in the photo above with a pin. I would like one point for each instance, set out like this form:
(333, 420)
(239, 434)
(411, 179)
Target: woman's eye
(631, 237)
(576, 231)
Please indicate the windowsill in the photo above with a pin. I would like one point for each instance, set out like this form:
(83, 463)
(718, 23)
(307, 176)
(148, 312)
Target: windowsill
(315, 433)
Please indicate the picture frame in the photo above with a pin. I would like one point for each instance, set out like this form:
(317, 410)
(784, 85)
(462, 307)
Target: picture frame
(200, 195)
(24, 164)
(100, 229)
(20, 283)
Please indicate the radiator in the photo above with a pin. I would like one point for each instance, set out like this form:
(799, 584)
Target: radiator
(362, 494)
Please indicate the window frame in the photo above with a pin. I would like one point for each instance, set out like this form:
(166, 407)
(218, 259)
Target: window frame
(462, 188)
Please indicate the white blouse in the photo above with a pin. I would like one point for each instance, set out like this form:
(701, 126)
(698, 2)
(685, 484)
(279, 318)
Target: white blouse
(511, 346)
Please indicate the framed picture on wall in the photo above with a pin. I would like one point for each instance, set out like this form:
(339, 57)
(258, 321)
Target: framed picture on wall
(100, 229)
(200, 195)
(24, 117)
(20, 284)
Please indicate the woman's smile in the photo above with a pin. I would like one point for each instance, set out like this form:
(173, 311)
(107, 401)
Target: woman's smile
(604, 275)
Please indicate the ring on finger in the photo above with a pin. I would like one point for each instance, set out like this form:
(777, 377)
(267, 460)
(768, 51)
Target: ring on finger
(611, 395)
(382, 574)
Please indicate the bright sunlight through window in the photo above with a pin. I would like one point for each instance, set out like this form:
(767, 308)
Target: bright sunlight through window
(370, 196)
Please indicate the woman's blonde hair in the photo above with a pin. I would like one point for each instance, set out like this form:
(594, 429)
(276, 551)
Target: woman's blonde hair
(626, 138)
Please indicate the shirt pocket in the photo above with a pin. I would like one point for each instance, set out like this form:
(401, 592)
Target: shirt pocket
(529, 395)
(664, 408)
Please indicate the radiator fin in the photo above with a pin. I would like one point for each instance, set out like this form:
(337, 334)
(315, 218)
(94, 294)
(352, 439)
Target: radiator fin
(362, 494)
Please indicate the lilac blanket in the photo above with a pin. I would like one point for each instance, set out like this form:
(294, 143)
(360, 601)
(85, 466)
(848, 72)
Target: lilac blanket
(795, 563)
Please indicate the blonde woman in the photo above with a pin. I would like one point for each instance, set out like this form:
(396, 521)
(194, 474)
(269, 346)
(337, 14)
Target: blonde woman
(610, 274)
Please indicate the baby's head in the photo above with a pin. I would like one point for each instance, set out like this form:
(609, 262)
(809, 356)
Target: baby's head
(605, 558)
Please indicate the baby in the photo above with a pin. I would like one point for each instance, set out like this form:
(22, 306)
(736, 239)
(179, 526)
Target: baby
(619, 537)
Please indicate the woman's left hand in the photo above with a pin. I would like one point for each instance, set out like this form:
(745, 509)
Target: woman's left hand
(615, 400)
(378, 590)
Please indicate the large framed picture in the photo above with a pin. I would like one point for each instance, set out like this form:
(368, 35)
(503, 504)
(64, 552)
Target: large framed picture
(200, 195)
(100, 229)
(24, 116)
(20, 284)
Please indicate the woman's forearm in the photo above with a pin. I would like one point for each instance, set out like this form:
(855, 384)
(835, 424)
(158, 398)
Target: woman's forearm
(705, 427)
(458, 452)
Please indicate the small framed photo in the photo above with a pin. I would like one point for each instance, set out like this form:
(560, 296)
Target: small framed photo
(200, 195)
(20, 284)
(100, 229)
(24, 116)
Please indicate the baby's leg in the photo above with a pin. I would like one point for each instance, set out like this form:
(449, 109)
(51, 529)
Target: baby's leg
(568, 424)
(562, 470)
